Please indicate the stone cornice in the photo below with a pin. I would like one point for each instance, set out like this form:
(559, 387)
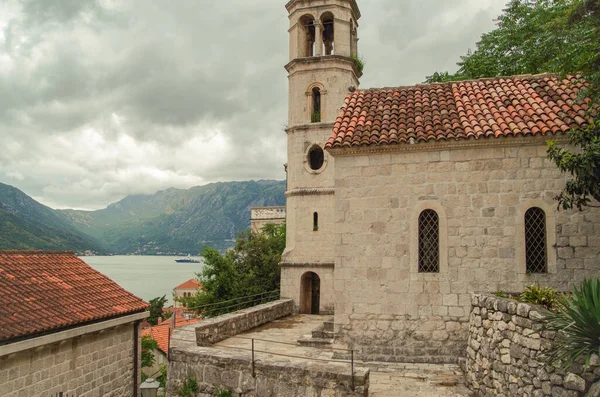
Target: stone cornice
(331, 59)
(353, 5)
(446, 145)
(59, 336)
(309, 126)
(326, 265)
(310, 192)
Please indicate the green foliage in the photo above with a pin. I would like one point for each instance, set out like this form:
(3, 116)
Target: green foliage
(156, 309)
(162, 377)
(558, 36)
(250, 268)
(223, 393)
(585, 165)
(360, 62)
(501, 294)
(315, 117)
(27, 224)
(576, 321)
(149, 345)
(537, 295)
(189, 388)
(438, 77)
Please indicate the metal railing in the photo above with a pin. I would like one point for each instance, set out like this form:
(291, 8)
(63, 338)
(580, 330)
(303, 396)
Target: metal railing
(224, 307)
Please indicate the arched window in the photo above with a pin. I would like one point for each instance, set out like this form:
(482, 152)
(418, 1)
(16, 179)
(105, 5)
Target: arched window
(429, 242)
(316, 222)
(328, 33)
(315, 116)
(536, 258)
(307, 36)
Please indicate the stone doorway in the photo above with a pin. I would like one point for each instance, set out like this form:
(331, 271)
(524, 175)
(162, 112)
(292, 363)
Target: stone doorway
(310, 293)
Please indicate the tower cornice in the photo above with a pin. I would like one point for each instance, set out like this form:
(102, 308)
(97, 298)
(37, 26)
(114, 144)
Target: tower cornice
(292, 65)
(355, 10)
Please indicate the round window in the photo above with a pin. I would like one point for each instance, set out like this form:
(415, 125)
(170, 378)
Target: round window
(316, 157)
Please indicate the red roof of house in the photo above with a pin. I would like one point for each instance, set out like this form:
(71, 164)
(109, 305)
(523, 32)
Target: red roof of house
(485, 108)
(190, 284)
(47, 291)
(160, 332)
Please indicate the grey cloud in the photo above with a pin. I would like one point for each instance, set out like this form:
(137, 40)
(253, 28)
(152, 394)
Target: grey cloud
(104, 98)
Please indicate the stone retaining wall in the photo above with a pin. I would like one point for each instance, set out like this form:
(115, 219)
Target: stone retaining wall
(216, 370)
(506, 340)
(216, 329)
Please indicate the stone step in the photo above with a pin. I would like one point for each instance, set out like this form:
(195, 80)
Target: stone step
(309, 340)
(321, 333)
(328, 324)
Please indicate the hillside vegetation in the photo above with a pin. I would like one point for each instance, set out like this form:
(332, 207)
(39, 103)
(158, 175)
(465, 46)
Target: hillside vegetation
(173, 221)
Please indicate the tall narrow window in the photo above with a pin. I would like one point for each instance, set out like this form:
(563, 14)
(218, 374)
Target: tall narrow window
(315, 117)
(315, 222)
(429, 242)
(536, 258)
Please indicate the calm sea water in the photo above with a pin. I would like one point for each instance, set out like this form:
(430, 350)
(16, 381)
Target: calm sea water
(145, 276)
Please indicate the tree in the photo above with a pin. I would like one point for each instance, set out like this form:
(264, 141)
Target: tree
(250, 268)
(557, 36)
(156, 309)
(149, 345)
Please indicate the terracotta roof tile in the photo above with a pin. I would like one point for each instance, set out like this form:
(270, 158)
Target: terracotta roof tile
(160, 332)
(190, 284)
(475, 109)
(47, 291)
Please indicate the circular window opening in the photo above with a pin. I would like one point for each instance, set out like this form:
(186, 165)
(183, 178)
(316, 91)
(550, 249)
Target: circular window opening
(316, 157)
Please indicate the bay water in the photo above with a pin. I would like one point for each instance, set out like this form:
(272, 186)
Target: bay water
(147, 277)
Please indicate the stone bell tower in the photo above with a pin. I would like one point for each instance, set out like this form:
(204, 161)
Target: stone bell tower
(322, 68)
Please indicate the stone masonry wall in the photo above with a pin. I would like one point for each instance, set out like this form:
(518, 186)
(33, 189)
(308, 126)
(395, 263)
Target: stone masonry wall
(384, 307)
(94, 365)
(216, 370)
(216, 329)
(504, 353)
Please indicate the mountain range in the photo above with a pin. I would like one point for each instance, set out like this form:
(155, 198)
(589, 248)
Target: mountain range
(172, 221)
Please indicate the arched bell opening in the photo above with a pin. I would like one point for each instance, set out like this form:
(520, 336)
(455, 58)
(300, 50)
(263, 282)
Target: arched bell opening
(307, 36)
(327, 20)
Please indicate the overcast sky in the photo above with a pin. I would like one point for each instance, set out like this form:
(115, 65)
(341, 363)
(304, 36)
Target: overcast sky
(100, 99)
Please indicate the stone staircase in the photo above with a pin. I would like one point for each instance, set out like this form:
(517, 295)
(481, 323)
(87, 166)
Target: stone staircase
(320, 336)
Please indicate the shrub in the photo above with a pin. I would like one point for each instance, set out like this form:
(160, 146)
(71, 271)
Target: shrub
(315, 117)
(501, 294)
(359, 62)
(223, 393)
(537, 295)
(576, 321)
(189, 388)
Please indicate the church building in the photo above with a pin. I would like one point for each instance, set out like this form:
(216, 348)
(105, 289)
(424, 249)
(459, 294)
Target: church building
(402, 201)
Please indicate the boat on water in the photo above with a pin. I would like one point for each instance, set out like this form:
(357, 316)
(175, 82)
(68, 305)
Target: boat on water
(188, 259)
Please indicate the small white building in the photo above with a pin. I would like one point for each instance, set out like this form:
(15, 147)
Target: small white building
(185, 290)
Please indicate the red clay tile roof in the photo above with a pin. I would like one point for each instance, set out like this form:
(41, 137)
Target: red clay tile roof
(512, 106)
(48, 291)
(160, 332)
(190, 284)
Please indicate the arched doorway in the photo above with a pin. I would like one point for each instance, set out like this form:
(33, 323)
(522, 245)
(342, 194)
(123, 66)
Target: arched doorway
(310, 293)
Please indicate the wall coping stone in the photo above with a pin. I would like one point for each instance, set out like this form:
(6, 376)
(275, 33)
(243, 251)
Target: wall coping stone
(219, 328)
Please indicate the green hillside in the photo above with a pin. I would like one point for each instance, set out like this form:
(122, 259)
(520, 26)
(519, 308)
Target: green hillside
(27, 224)
(177, 221)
